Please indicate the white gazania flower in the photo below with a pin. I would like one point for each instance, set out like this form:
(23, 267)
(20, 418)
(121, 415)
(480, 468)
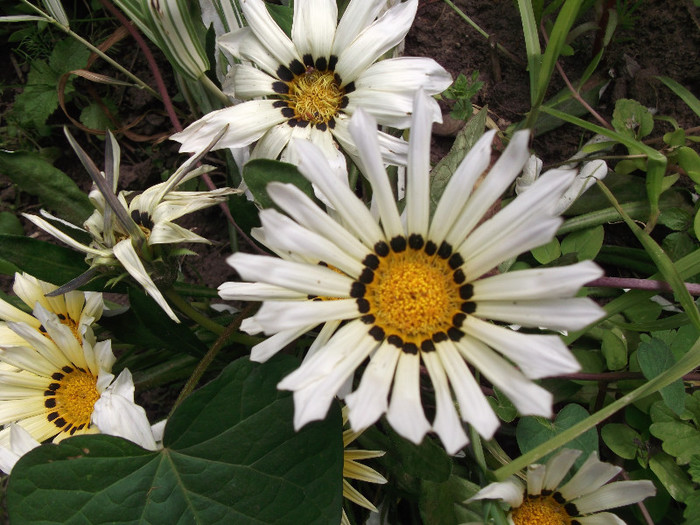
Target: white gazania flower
(415, 289)
(579, 501)
(308, 85)
(76, 310)
(136, 232)
(354, 470)
(20, 442)
(56, 386)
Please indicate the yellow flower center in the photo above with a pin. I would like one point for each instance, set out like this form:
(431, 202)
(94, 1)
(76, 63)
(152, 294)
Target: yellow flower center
(412, 292)
(70, 399)
(315, 96)
(540, 510)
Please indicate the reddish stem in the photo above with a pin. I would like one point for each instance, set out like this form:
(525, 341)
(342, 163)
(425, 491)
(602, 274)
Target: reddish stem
(640, 284)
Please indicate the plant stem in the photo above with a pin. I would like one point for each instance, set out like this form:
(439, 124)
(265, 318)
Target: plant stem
(640, 284)
(214, 89)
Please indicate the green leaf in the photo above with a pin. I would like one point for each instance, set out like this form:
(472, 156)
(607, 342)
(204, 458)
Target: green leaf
(532, 431)
(671, 475)
(547, 253)
(678, 245)
(9, 224)
(464, 141)
(231, 456)
(584, 243)
(93, 116)
(45, 261)
(55, 189)
(680, 439)
(503, 407)
(442, 502)
(676, 219)
(632, 119)
(614, 350)
(654, 358)
(694, 468)
(258, 173)
(622, 440)
(683, 93)
(427, 461)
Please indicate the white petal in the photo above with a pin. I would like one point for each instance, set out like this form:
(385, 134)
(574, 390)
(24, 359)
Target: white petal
(273, 344)
(125, 253)
(535, 479)
(405, 412)
(256, 292)
(371, 399)
(601, 518)
(292, 200)
(390, 108)
(460, 186)
(314, 166)
(268, 32)
(115, 413)
(538, 283)
(301, 277)
(592, 475)
(52, 230)
(375, 40)
(526, 396)
(473, 406)
(244, 81)
(358, 15)
(613, 495)
(246, 122)
(272, 142)
(418, 176)
(511, 491)
(363, 129)
(499, 178)
(537, 355)
(558, 467)
(405, 75)
(285, 315)
(446, 423)
(244, 45)
(313, 27)
(20, 442)
(394, 150)
(557, 314)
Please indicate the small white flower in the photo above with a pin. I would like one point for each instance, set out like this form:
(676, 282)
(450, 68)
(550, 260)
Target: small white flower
(580, 500)
(308, 86)
(408, 290)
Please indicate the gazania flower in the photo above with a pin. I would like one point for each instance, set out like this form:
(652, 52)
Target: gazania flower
(415, 290)
(136, 232)
(56, 385)
(578, 501)
(76, 310)
(354, 470)
(20, 442)
(308, 85)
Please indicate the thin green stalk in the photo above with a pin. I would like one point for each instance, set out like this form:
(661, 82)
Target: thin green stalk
(685, 365)
(477, 448)
(92, 48)
(214, 90)
(192, 313)
(210, 355)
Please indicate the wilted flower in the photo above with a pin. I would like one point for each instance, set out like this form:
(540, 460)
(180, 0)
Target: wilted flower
(136, 232)
(411, 289)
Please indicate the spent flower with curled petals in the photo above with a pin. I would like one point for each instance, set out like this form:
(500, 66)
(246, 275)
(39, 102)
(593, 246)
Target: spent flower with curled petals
(401, 291)
(136, 233)
(308, 86)
(579, 501)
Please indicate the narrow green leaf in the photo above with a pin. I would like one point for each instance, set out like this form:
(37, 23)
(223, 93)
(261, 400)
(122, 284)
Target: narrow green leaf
(55, 189)
(532, 45)
(231, 456)
(683, 93)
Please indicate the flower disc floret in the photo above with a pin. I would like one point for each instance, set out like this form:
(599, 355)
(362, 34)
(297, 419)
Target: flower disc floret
(70, 399)
(540, 510)
(314, 97)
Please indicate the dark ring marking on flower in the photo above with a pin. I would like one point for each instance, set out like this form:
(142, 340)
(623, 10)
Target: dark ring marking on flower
(377, 332)
(52, 416)
(454, 333)
(49, 393)
(371, 261)
(292, 122)
(455, 261)
(344, 102)
(67, 369)
(73, 430)
(368, 319)
(427, 346)
(42, 329)
(50, 403)
(445, 250)
(458, 319)
(287, 112)
(283, 73)
(321, 126)
(458, 277)
(63, 317)
(439, 337)
(60, 422)
(410, 348)
(331, 123)
(367, 276)
(308, 60)
(297, 67)
(279, 104)
(571, 509)
(281, 88)
(398, 243)
(395, 340)
(468, 307)
(57, 376)
(430, 248)
(332, 61)
(349, 88)
(54, 386)
(321, 64)
(415, 241)
(357, 290)
(466, 291)
(301, 123)
(363, 305)
(381, 249)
